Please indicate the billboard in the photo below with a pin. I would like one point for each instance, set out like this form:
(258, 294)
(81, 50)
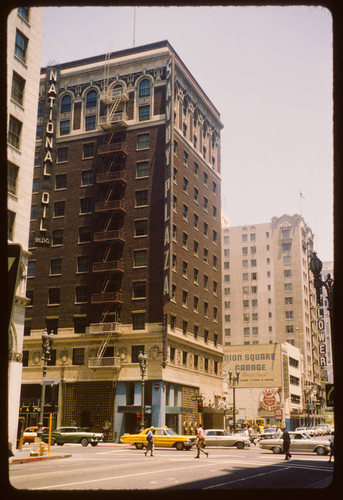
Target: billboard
(258, 365)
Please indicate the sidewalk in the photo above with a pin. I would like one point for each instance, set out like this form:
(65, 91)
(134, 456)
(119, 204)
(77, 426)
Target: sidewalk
(24, 455)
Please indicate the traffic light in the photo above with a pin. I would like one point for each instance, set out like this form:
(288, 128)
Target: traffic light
(200, 407)
(138, 415)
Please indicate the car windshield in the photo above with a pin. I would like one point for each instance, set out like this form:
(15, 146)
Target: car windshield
(306, 435)
(170, 432)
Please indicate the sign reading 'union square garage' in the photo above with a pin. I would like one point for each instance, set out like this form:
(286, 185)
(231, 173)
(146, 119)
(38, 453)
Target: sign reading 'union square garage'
(259, 365)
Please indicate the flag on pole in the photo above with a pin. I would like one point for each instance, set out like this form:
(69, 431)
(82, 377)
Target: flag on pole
(302, 195)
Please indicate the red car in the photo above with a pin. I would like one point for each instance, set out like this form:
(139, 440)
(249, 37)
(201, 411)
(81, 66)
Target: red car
(30, 433)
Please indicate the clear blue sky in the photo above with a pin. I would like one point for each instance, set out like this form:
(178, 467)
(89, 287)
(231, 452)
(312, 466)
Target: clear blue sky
(268, 70)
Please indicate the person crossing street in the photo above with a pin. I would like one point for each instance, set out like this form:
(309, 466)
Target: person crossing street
(200, 439)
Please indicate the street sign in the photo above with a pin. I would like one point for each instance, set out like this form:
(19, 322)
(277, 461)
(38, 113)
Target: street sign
(13, 258)
(197, 398)
(50, 380)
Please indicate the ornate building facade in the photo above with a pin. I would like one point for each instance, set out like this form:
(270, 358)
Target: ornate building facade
(125, 242)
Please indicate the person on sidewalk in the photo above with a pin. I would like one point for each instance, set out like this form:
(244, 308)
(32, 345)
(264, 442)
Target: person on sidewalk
(286, 443)
(150, 438)
(200, 439)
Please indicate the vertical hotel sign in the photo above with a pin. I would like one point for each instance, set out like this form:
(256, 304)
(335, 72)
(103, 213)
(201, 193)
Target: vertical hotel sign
(167, 180)
(321, 344)
(47, 151)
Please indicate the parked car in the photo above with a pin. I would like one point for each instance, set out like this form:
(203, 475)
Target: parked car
(300, 429)
(319, 430)
(63, 435)
(270, 432)
(163, 436)
(30, 433)
(326, 429)
(310, 431)
(300, 442)
(221, 437)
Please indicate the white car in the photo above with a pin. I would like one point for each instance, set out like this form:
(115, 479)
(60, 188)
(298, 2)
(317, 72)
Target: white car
(300, 442)
(220, 437)
(310, 431)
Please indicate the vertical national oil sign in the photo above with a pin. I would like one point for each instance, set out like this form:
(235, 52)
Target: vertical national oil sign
(48, 152)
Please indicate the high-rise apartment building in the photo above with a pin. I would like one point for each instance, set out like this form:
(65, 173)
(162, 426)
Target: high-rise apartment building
(125, 242)
(268, 294)
(24, 40)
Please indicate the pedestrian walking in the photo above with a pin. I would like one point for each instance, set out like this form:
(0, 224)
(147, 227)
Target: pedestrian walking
(200, 439)
(150, 438)
(252, 440)
(286, 443)
(332, 447)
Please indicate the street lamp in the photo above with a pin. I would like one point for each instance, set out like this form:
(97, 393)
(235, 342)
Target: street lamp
(316, 267)
(142, 365)
(47, 341)
(233, 379)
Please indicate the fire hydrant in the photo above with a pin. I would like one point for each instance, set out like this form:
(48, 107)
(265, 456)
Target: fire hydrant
(42, 449)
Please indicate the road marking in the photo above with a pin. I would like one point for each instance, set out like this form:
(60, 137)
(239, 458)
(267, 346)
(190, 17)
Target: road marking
(111, 478)
(241, 479)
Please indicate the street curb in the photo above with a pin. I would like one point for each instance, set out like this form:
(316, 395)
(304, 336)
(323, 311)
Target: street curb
(36, 459)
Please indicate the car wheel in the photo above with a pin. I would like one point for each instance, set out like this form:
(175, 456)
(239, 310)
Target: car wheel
(179, 445)
(52, 441)
(60, 444)
(276, 450)
(320, 450)
(240, 445)
(139, 446)
(94, 444)
(84, 441)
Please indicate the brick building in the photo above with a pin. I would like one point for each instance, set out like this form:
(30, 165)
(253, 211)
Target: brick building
(125, 242)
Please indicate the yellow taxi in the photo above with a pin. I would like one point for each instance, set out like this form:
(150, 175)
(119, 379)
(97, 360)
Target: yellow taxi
(163, 437)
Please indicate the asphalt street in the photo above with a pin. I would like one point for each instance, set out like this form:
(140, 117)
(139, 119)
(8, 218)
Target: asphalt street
(110, 467)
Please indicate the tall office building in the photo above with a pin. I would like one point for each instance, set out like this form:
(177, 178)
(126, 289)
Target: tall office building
(24, 39)
(126, 242)
(268, 294)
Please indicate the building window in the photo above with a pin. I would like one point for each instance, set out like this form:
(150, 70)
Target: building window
(289, 329)
(288, 300)
(83, 264)
(287, 273)
(84, 234)
(138, 321)
(286, 247)
(205, 282)
(57, 237)
(64, 127)
(196, 304)
(66, 104)
(184, 240)
(61, 181)
(172, 354)
(172, 323)
(184, 298)
(141, 227)
(184, 327)
(206, 255)
(196, 331)
(185, 158)
(184, 211)
(184, 358)
(92, 99)
(196, 221)
(31, 268)
(87, 178)
(289, 314)
(59, 208)
(62, 155)
(205, 228)
(88, 151)
(288, 287)
(142, 169)
(144, 113)
(90, 122)
(51, 324)
(54, 296)
(287, 259)
(12, 177)
(81, 293)
(196, 195)
(140, 258)
(196, 169)
(135, 350)
(80, 324)
(206, 309)
(55, 266)
(21, 43)
(205, 204)
(144, 88)
(184, 268)
(14, 132)
(285, 233)
(18, 86)
(85, 205)
(143, 141)
(196, 248)
(246, 331)
(78, 355)
(141, 198)
(139, 289)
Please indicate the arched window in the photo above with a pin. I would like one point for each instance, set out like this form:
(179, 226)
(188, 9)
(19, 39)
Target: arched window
(66, 104)
(91, 100)
(144, 88)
